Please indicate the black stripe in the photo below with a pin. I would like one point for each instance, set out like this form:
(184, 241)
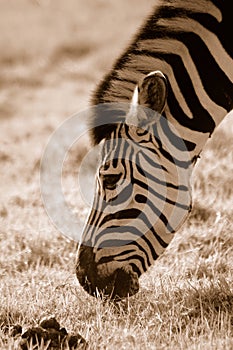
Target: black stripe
(152, 163)
(160, 182)
(122, 214)
(131, 214)
(150, 228)
(116, 243)
(113, 229)
(168, 156)
(158, 213)
(142, 146)
(158, 195)
(140, 259)
(185, 83)
(217, 84)
(140, 198)
(150, 246)
(210, 73)
(136, 269)
(225, 28)
(123, 196)
(134, 257)
(178, 142)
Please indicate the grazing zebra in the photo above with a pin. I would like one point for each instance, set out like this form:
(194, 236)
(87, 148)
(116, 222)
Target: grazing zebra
(158, 106)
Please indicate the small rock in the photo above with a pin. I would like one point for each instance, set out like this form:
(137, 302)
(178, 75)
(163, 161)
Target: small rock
(15, 330)
(35, 334)
(63, 331)
(23, 344)
(11, 330)
(49, 333)
(75, 341)
(50, 322)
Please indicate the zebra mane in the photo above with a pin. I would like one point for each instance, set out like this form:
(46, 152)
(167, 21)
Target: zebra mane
(104, 119)
(140, 58)
(113, 89)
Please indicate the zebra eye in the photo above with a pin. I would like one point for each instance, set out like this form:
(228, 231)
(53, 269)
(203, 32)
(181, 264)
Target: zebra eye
(110, 181)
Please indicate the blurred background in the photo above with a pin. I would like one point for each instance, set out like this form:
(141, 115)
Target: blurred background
(63, 47)
(53, 53)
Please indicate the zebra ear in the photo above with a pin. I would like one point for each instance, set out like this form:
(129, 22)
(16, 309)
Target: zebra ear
(151, 93)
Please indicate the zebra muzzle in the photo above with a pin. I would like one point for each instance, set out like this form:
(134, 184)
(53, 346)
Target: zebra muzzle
(107, 279)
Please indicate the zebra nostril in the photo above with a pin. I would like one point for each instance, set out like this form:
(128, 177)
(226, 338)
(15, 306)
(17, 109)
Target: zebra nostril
(126, 282)
(115, 283)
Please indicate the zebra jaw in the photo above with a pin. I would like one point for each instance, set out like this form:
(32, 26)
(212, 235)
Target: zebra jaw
(106, 279)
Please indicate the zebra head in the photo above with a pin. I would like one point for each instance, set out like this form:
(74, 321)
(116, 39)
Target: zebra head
(137, 187)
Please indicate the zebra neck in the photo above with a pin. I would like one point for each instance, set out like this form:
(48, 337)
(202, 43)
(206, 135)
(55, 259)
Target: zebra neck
(193, 139)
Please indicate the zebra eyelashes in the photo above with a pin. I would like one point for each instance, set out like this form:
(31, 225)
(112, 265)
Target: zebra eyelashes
(109, 179)
(151, 95)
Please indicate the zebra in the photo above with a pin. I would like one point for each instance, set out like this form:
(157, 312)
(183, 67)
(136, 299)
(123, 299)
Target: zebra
(161, 101)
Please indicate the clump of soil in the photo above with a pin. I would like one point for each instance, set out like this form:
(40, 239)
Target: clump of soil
(51, 334)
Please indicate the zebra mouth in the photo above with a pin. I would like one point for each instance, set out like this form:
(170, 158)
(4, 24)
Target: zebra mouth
(126, 282)
(115, 284)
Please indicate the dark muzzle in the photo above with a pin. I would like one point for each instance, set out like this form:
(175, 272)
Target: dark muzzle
(106, 279)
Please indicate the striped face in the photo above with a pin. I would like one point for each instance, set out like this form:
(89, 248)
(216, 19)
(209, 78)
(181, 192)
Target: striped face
(142, 195)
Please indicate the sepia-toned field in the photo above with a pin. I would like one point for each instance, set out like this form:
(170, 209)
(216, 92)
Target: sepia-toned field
(52, 55)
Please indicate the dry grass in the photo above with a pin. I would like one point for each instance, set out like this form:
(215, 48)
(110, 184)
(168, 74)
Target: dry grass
(54, 53)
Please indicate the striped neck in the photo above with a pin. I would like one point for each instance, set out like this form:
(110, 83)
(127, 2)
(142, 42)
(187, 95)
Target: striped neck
(191, 44)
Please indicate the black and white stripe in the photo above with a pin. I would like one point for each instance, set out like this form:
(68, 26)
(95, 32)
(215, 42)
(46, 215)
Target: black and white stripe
(190, 43)
(143, 192)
